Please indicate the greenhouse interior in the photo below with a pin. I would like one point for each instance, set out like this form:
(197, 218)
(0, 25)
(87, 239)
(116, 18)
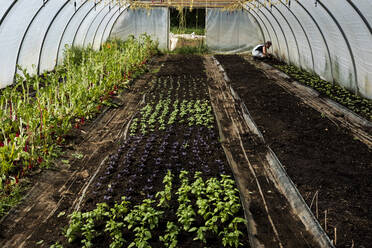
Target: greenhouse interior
(185, 123)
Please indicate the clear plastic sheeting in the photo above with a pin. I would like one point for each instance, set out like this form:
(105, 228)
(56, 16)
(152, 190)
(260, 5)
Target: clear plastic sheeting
(85, 23)
(281, 37)
(341, 60)
(271, 33)
(29, 52)
(88, 40)
(12, 30)
(332, 38)
(84, 14)
(108, 28)
(360, 40)
(97, 39)
(304, 54)
(231, 31)
(4, 7)
(154, 22)
(37, 40)
(53, 37)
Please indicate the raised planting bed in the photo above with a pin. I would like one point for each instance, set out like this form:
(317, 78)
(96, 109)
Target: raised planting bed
(355, 103)
(168, 184)
(331, 169)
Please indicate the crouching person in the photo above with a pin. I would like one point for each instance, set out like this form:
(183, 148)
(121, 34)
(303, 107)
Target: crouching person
(260, 51)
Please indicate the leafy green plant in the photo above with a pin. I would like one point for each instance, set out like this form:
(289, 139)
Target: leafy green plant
(334, 91)
(114, 226)
(56, 245)
(219, 205)
(231, 233)
(166, 195)
(170, 236)
(38, 112)
(185, 212)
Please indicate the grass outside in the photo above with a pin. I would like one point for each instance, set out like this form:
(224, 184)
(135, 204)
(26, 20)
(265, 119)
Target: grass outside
(199, 50)
(197, 31)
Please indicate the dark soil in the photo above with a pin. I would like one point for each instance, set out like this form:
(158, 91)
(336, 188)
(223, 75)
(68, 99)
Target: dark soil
(318, 155)
(136, 168)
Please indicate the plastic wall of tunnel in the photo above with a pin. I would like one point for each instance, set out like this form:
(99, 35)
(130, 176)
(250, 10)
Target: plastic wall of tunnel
(332, 38)
(37, 40)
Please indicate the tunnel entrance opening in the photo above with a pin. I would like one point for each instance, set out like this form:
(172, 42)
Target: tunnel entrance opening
(187, 28)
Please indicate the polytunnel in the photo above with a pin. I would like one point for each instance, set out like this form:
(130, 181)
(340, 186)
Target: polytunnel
(185, 123)
(329, 38)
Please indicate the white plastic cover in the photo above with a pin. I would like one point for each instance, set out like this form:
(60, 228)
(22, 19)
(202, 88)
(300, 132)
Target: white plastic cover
(342, 68)
(305, 53)
(231, 31)
(30, 51)
(360, 39)
(135, 22)
(85, 22)
(278, 30)
(94, 25)
(4, 6)
(11, 33)
(277, 47)
(50, 49)
(333, 38)
(71, 33)
(97, 39)
(108, 28)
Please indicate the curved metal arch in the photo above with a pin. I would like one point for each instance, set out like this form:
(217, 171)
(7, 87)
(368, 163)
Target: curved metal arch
(303, 30)
(7, 12)
(13, 7)
(117, 20)
(276, 35)
(46, 34)
(90, 25)
(293, 33)
(259, 25)
(347, 43)
(267, 30)
(281, 29)
(321, 33)
(360, 15)
(100, 23)
(24, 36)
(104, 30)
(82, 20)
(64, 30)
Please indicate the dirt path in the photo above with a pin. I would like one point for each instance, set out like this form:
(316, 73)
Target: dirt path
(60, 189)
(324, 160)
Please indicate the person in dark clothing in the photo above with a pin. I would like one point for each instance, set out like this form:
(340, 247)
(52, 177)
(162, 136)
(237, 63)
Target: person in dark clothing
(260, 51)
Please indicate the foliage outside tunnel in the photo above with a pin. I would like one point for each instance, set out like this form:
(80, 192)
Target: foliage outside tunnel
(186, 21)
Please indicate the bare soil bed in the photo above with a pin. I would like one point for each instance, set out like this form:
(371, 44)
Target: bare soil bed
(319, 157)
